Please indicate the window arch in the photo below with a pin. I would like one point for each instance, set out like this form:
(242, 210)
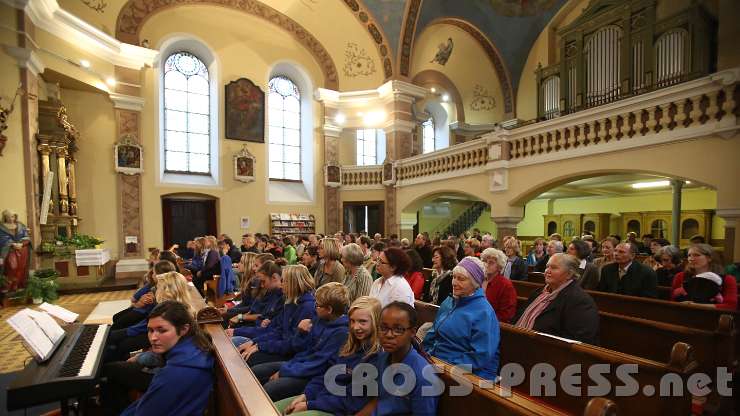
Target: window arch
(187, 109)
(427, 132)
(284, 103)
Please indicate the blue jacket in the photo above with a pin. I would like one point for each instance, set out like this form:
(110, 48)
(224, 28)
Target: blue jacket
(227, 282)
(139, 293)
(466, 331)
(181, 387)
(319, 398)
(282, 334)
(268, 307)
(322, 343)
(417, 402)
(139, 328)
(196, 264)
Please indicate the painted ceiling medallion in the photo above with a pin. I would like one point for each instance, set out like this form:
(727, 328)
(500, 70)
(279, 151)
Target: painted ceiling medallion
(518, 8)
(357, 62)
(482, 100)
(97, 5)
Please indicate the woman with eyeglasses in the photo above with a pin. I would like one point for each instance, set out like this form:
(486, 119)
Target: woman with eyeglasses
(398, 325)
(466, 331)
(392, 286)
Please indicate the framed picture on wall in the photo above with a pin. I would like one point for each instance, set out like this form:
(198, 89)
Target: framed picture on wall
(332, 176)
(128, 156)
(244, 166)
(245, 111)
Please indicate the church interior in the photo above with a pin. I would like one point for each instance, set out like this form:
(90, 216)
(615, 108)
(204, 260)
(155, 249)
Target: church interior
(134, 132)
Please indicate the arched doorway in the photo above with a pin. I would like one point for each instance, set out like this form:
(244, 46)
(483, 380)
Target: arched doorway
(186, 216)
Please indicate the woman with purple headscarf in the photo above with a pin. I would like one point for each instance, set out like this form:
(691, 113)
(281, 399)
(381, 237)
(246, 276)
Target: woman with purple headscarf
(466, 331)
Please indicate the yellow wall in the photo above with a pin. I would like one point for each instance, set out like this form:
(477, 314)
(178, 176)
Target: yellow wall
(692, 199)
(467, 67)
(13, 194)
(348, 147)
(97, 184)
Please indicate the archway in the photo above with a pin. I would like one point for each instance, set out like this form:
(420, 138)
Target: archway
(444, 213)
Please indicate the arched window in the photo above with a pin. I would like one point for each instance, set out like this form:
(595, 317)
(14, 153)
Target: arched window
(589, 226)
(568, 229)
(552, 227)
(689, 228)
(284, 102)
(187, 126)
(658, 228)
(633, 226)
(428, 136)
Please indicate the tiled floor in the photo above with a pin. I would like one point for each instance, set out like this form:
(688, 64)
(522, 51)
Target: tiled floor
(12, 353)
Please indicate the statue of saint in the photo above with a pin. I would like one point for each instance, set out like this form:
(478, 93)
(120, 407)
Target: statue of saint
(15, 250)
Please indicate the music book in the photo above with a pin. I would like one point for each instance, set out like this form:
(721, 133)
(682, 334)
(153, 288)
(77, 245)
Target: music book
(59, 312)
(40, 332)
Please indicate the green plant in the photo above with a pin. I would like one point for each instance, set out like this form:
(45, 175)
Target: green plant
(43, 284)
(81, 241)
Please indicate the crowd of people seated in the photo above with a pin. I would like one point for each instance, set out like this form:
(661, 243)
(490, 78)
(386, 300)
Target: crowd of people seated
(303, 304)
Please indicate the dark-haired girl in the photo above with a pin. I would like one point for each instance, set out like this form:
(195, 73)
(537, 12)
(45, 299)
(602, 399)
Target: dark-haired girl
(183, 384)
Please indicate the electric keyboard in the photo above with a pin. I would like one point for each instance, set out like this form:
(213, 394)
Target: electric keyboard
(70, 373)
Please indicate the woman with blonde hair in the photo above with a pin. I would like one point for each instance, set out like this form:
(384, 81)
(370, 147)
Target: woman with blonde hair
(120, 343)
(330, 269)
(362, 346)
(516, 267)
(277, 342)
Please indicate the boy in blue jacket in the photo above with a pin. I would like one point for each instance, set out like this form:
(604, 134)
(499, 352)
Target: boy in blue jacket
(325, 335)
(282, 339)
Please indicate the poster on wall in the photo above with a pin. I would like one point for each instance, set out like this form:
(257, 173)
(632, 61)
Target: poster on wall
(245, 111)
(244, 221)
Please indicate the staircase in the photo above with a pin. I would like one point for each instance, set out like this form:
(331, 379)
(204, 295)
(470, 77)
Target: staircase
(465, 220)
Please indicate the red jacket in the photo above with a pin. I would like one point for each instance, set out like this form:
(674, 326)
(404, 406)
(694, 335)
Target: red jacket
(729, 291)
(416, 281)
(502, 296)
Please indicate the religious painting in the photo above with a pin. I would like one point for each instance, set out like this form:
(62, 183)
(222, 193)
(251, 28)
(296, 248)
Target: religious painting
(244, 165)
(245, 111)
(444, 50)
(333, 176)
(128, 156)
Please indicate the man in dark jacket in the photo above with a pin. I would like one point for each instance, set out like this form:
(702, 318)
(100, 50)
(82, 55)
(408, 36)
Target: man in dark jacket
(628, 277)
(423, 247)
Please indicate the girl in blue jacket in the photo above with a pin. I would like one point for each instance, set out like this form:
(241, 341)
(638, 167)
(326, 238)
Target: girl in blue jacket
(362, 346)
(265, 309)
(143, 300)
(323, 338)
(282, 339)
(183, 385)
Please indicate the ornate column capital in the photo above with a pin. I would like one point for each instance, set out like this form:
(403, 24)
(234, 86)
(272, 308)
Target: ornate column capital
(26, 58)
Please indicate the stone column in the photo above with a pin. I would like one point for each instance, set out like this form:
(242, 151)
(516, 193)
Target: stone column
(677, 186)
(30, 67)
(506, 218)
(45, 152)
(332, 205)
(62, 181)
(732, 244)
(127, 110)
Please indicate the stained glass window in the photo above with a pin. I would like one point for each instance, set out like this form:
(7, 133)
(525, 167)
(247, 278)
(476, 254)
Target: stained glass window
(187, 142)
(367, 145)
(428, 135)
(284, 113)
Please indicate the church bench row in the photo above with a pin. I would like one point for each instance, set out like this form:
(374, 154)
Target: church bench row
(528, 348)
(664, 292)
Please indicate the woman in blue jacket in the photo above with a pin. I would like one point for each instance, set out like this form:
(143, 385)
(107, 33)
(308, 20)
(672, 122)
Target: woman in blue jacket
(142, 302)
(362, 346)
(282, 339)
(182, 386)
(323, 337)
(466, 331)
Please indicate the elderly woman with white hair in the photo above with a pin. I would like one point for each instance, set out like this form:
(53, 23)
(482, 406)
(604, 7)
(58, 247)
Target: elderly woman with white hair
(499, 291)
(466, 331)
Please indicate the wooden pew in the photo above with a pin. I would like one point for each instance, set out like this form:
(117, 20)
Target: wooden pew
(536, 277)
(236, 390)
(492, 400)
(519, 346)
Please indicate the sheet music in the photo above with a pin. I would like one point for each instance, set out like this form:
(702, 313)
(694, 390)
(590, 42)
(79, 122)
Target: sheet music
(47, 324)
(59, 312)
(32, 334)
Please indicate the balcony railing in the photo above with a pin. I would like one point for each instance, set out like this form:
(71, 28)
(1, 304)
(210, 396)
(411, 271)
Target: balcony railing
(463, 159)
(362, 177)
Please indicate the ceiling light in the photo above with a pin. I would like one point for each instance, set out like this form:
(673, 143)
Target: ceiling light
(111, 81)
(445, 97)
(340, 118)
(85, 63)
(655, 184)
(433, 90)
